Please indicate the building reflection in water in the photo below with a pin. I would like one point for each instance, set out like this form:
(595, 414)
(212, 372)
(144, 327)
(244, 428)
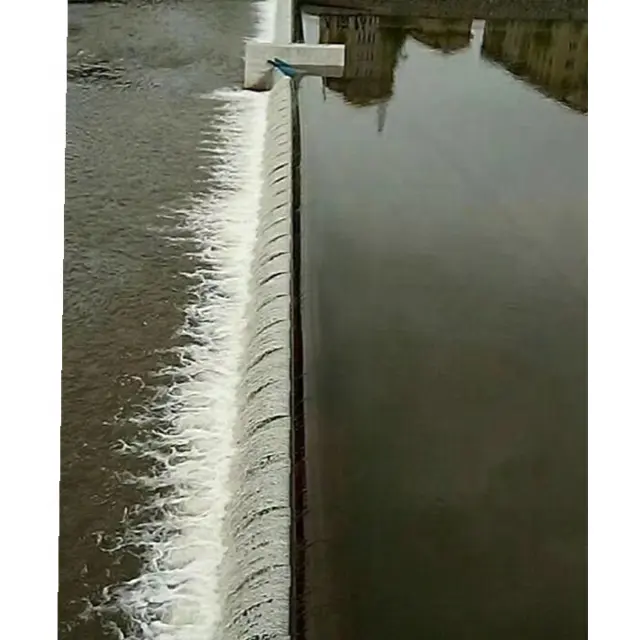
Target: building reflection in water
(373, 48)
(551, 56)
(446, 36)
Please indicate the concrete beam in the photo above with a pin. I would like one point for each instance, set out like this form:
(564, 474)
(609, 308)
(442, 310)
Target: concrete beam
(283, 22)
(314, 59)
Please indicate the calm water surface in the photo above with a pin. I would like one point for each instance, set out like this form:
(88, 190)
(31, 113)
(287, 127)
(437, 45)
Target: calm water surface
(444, 214)
(138, 77)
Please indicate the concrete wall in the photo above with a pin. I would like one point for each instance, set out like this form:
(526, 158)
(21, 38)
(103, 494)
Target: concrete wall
(480, 9)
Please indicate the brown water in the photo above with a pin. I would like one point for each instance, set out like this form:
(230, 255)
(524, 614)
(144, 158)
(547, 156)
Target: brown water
(135, 120)
(444, 223)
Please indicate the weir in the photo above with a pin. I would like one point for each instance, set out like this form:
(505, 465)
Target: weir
(258, 575)
(259, 578)
(217, 553)
(263, 572)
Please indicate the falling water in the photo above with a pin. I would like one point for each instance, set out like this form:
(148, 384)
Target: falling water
(215, 537)
(257, 565)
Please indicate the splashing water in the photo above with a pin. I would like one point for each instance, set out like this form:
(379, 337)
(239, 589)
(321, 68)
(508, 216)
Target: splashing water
(187, 589)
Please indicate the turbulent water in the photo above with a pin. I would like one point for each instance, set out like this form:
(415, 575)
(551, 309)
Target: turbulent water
(163, 186)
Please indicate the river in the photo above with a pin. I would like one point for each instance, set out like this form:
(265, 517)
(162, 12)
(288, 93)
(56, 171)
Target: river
(444, 253)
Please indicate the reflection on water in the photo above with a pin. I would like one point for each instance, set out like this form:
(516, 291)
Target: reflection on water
(549, 55)
(373, 48)
(455, 9)
(552, 56)
(444, 318)
(447, 36)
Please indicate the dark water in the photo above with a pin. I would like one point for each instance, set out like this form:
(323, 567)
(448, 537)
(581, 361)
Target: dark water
(444, 215)
(135, 118)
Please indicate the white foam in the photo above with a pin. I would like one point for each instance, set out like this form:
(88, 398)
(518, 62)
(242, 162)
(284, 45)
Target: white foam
(178, 594)
(188, 435)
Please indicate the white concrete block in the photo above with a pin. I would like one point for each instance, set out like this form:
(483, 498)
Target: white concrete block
(315, 59)
(284, 21)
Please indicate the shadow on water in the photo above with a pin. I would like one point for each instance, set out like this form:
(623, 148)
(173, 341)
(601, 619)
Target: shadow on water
(443, 285)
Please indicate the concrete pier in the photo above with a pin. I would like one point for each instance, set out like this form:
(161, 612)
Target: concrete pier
(320, 60)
